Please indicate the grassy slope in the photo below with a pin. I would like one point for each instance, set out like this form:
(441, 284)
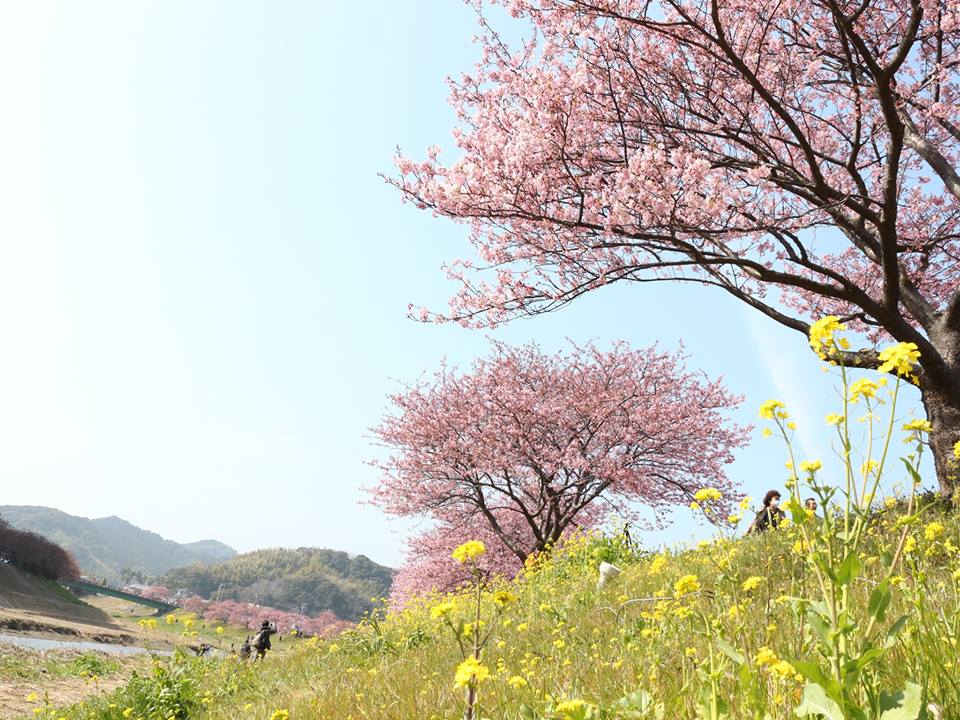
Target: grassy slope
(565, 639)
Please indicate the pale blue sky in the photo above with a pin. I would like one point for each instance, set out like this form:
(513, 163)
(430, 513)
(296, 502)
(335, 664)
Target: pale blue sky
(203, 282)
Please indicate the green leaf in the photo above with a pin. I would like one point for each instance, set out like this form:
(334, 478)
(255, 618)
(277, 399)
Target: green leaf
(528, 713)
(880, 600)
(819, 626)
(728, 650)
(814, 673)
(894, 630)
(639, 700)
(816, 702)
(907, 704)
(848, 570)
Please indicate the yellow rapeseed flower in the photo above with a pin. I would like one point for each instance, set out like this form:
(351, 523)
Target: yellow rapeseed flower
(771, 409)
(441, 610)
(933, 530)
(822, 332)
(470, 550)
(707, 495)
(834, 419)
(810, 466)
(956, 450)
(516, 682)
(918, 426)
(745, 503)
(751, 583)
(686, 584)
(899, 358)
(570, 709)
(280, 715)
(470, 671)
(765, 656)
(658, 564)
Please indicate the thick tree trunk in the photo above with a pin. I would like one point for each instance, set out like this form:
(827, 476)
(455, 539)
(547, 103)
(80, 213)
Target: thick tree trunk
(942, 403)
(943, 412)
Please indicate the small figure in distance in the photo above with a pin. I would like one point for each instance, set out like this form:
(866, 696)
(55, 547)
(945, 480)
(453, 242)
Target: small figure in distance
(771, 516)
(811, 505)
(245, 649)
(261, 641)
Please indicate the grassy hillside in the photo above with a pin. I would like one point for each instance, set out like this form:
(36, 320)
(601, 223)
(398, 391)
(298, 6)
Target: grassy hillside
(732, 629)
(289, 579)
(103, 547)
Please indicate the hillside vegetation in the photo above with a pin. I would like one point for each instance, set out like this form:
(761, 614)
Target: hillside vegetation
(103, 547)
(731, 629)
(289, 579)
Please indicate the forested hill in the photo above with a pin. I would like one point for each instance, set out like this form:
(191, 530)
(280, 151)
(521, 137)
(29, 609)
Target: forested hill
(104, 547)
(311, 579)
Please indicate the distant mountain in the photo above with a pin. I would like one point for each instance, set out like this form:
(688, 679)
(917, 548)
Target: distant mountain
(311, 579)
(103, 547)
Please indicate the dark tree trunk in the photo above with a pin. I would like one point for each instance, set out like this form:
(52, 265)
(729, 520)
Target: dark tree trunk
(942, 403)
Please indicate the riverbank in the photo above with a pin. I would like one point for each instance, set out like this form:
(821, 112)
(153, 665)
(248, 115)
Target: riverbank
(31, 678)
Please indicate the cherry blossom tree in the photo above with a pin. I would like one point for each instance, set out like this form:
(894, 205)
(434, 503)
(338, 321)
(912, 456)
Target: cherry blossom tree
(428, 566)
(527, 445)
(802, 156)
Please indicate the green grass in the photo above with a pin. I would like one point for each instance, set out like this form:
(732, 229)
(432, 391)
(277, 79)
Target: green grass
(24, 665)
(630, 650)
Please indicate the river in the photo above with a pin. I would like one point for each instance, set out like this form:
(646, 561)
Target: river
(32, 643)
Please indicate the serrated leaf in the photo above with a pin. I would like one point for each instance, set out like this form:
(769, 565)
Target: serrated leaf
(816, 702)
(907, 704)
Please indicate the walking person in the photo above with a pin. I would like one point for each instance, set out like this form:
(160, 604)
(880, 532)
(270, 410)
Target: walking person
(261, 641)
(770, 516)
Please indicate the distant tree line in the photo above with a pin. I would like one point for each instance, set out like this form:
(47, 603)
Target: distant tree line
(34, 553)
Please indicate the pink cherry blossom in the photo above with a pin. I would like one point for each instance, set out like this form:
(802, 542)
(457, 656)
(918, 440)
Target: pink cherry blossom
(801, 156)
(526, 446)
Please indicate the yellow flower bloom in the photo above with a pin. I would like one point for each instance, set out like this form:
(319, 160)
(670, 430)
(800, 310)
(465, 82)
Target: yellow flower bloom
(933, 530)
(771, 409)
(834, 419)
(503, 598)
(745, 503)
(862, 388)
(918, 426)
(765, 656)
(751, 583)
(570, 709)
(280, 715)
(441, 610)
(734, 519)
(470, 550)
(516, 682)
(910, 545)
(470, 671)
(822, 332)
(810, 466)
(899, 358)
(686, 584)
(694, 505)
(956, 450)
(658, 564)
(707, 495)
(767, 432)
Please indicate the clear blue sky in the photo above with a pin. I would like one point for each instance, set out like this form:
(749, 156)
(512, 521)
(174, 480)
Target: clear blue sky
(203, 282)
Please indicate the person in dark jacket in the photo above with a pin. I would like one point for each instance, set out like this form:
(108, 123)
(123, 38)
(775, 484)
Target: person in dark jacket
(261, 641)
(771, 516)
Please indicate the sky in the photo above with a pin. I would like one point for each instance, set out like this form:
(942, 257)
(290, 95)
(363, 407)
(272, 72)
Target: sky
(204, 281)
